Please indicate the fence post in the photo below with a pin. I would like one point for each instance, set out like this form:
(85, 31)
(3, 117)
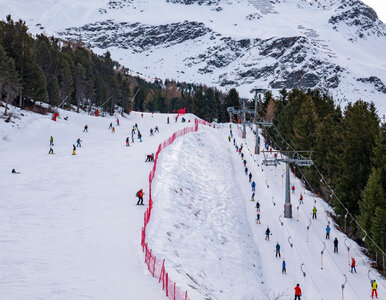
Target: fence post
(167, 285)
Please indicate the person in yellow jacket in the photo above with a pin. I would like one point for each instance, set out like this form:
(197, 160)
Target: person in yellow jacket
(374, 289)
(73, 150)
(314, 210)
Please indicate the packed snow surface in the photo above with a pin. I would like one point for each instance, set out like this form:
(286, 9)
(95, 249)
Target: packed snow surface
(70, 228)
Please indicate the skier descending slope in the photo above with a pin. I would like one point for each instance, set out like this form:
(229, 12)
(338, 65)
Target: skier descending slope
(298, 292)
(253, 186)
(140, 197)
(284, 267)
(328, 229)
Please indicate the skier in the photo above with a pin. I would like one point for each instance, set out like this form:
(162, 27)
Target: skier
(246, 171)
(78, 142)
(353, 265)
(237, 148)
(229, 138)
(117, 122)
(258, 218)
(234, 142)
(136, 126)
(51, 151)
(301, 199)
(277, 249)
(156, 129)
(151, 132)
(127, 142)
(132, 139)
(267, 233)
(293, 189)
(245, 163)
(73, 149)
(242, 156)
(314, 210)
(113, 130)
(140, 197)
(374, 289)
(111, 126)
(253, 186)
(85, 128)
(258, 206)
(149, 157)
(51, 141)
(328, 229)
(253, 197)
(15, 172)
(167, 121)
(336, 245)
(139, 136)
(298, 292)
(283, 267)
(250, 176)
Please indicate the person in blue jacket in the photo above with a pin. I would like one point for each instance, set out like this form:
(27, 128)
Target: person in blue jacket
(328, 229)
(283, 267)
(253, 186)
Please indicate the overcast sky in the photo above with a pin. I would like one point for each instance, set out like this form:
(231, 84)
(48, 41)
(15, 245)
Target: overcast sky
(379, 6)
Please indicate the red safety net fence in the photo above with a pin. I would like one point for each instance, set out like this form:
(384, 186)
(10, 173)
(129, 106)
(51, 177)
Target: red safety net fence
(157, 266)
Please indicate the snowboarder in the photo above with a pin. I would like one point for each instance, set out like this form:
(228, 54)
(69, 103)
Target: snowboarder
(277, 249)
(301, 199)
(293, 189)
(258, 218)
(79, 142)
(111, 126)
(73, 149)
(328, 229)
(246, 171)
(127, 142)
(258, 206)
(336, 245)
(139, 136)
(51, 141)
(374, 289)
(15, 172)
(267, 233)
(250, 176)
(245, 163)
(85, 128)
(156, 129)
(253, 197)
(283, 267)
(353, 265)
(151, 132)
(117, 122)
(140, 197)
(51, 151)
(314, 210)
(298, 292)
(253, 186)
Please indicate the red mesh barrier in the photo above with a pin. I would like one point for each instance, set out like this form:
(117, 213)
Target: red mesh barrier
(157, 267)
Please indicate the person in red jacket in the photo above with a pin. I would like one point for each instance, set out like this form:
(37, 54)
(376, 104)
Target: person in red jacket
(140, 197)
(353, 265)
(298, 292)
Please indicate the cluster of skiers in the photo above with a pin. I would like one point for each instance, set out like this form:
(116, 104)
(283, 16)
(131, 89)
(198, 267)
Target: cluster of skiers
(74, 147)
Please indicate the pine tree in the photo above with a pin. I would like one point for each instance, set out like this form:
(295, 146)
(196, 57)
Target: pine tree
(53, 91)
(9, 79)
(378, 232)
(371, 197)
(360, 126)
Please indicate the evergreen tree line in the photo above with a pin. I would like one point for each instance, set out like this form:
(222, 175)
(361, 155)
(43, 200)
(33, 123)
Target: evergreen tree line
(47, 70)
(349, 150)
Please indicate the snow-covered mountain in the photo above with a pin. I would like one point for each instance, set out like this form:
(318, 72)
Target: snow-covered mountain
(335, 45)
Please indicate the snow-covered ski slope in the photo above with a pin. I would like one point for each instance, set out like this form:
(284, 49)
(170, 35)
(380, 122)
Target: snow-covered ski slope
(70, 228)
